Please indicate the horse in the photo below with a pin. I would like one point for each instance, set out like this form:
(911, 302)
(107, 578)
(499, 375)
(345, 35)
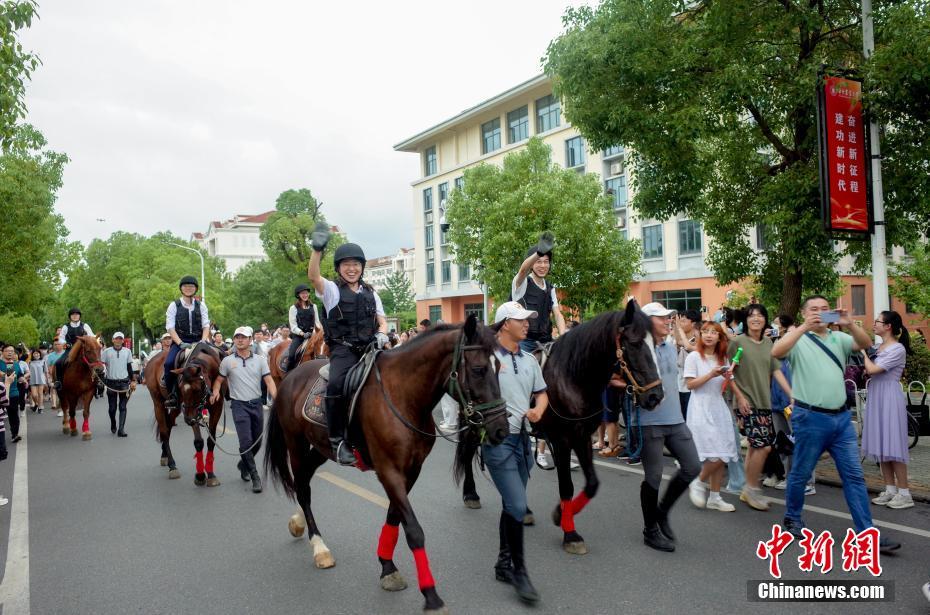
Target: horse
(577, 371)
(312, 348)
(393, 431)
(194, 388)
(79, 382)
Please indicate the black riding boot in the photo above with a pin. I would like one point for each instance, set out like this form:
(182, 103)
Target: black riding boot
(503, 569)
(336, 422)
(249, 459)
(244, 469)
(652, 536)
(521, 579)
(675, 488)
(122, 424)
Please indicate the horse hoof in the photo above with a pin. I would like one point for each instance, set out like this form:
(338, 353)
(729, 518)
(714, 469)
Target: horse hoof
(200, 480)
(213, 482)
(324, 559)
(65, 430)
(393, 582)
(73, 432)
(296, 525)
(173, 473)
(529, 519)
(473, 504)
(575, 548)
(163, 462)
(87, 436)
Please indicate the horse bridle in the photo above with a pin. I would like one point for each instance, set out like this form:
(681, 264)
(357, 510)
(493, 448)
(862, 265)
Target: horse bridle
(632, 385)
(204, 399)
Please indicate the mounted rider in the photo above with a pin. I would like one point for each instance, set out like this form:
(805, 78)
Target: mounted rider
(187, 322)
(536, 294)
(353, 319)
(303, 320)
(68, 336)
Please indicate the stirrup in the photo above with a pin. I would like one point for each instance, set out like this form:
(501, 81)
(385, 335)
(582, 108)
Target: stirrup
(343, 453)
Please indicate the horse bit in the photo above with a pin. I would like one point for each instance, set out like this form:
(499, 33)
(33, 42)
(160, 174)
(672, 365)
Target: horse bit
(631, 382)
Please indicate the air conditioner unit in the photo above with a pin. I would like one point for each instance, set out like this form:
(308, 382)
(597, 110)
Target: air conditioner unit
(616, 168)
(621, 222)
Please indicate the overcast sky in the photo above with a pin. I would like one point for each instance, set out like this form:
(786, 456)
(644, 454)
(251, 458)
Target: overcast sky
(178, 113)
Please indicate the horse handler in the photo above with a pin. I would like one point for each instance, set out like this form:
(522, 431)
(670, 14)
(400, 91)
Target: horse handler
(120, 381)
(510, 461)
(246, 371)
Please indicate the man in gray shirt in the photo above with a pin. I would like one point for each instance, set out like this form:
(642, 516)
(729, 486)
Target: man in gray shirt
(120, 380)
(246, 371)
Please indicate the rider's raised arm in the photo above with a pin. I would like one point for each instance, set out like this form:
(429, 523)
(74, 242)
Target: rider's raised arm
(519, 280)
(314, 273)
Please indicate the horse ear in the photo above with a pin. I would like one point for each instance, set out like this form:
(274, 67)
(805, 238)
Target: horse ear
(631, 309)
(471, 326)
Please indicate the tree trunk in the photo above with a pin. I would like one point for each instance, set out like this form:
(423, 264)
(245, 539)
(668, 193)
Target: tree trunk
(791, 290)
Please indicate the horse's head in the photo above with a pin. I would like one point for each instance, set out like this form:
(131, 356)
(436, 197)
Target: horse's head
(636, 359)
(89, 349)
(193, 391)
(478, 391)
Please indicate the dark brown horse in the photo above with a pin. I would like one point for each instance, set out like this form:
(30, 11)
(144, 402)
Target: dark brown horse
(194, 387)
(577, 371)
(78, 383)
(393, 431)
(314, 348)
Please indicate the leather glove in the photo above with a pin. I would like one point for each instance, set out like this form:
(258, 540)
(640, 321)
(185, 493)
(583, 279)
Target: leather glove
(381, 340)
(546, 241)
(319, 237)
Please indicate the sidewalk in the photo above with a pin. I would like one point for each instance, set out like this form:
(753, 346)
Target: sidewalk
(918, 472)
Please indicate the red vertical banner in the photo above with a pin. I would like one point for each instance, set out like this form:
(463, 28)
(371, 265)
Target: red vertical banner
(845, 166)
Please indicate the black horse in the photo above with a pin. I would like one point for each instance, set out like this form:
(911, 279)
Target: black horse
(577, 372)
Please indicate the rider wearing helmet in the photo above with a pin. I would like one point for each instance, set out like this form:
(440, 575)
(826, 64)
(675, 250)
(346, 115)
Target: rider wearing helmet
(531, 290)
(67, 336)
(303, 320)
(353, 317)
(187, 322)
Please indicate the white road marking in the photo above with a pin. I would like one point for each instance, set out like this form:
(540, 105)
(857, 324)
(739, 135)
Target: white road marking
(815, 509)
(351, 487)
(14, 591)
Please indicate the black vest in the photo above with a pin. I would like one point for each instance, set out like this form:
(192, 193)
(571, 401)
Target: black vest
(354, 320)
(74, 332)
(306, 320)
(189, 332)
(538, 300)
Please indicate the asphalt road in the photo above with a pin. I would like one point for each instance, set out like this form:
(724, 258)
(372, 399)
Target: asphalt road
(108, 532)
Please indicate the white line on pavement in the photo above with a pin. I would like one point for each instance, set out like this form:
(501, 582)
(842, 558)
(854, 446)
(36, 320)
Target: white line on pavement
(14, 591)
(816, 509)
(351, 487)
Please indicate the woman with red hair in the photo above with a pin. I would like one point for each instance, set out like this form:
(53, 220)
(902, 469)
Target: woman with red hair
(709, 418)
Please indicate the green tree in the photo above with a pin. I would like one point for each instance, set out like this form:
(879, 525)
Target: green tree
(16, 328)
(910, 279)
(286, 234)
(716, 100)
(263, 292)
(501, 211)
(398, 295)
(17, 65)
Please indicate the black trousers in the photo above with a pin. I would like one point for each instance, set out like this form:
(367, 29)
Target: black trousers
(341, 360)
(114, 399)
(12, 414)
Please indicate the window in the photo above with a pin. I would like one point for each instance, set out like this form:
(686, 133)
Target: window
(574, 153)
(621, 219)
(680, 300)
(491, 136)
(858, 299)
(617, 188)
(464, 273)
(430, 161)
(428, 199)
(429, 236)
(476, 309)
(652, 241)
(443, 192)
(430, 274)
(446, 272)
(435, 313)
(459, 183)
(689, 237)
(612, 152)
(762, 239)
(430, 255)
(518, 124)
(443, 236)
(548, 111)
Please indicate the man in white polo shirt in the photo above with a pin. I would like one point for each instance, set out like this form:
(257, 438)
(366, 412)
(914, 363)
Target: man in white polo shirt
(246, 371)
(120, 380)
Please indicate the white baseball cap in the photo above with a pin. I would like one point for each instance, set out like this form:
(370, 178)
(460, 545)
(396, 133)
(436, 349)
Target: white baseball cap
(656, 309)
(119, 334)
(514, 310)
(166, 336)
(246, 331)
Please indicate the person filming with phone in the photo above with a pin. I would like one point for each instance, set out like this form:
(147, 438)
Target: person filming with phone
(821, 420)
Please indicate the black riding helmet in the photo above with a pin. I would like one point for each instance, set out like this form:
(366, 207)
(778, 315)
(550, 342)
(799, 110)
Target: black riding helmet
(532, 250)
(346, 251)
(299, 289)
(74, 310)
(189, 279)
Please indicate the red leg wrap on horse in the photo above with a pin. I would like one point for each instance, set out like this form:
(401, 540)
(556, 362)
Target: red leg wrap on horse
(73, 424)
(568, 516)
(581, 500)
(388, 541)
(198, 458)
(424, 576)
(209, 467)
(85, 426)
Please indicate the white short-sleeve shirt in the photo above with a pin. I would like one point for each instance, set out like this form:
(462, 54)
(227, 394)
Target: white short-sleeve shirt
(517, 292)
(330, 297)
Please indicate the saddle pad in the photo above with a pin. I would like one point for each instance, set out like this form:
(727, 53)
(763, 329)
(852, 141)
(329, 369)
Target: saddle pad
(313, 404)
(358, 374)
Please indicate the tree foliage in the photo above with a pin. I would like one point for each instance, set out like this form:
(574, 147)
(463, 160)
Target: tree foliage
(500, 212)
(910, 279)
(716, 101)
(17, 65)
(16, 328)
(286, 234)
(398, 295)
(260, 293)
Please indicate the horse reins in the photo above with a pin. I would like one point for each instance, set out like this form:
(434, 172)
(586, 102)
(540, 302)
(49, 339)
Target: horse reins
(631, 383)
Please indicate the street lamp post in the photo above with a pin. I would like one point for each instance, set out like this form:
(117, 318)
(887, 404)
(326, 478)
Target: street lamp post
(203, 280)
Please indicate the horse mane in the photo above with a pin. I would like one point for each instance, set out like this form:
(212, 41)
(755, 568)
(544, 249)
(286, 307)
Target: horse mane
(75, 353)
(578, 356)
(486, 338)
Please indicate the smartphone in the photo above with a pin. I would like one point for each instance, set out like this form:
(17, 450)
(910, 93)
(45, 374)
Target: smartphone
(831, 316)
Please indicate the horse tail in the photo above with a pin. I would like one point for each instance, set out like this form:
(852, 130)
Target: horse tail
(465, 452)
(276, 459)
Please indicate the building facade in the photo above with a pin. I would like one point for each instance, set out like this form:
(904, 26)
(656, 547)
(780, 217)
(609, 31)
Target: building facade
(236, 240)
(378, 270)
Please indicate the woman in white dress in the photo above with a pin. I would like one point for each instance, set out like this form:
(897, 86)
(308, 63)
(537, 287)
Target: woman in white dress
(709, 418)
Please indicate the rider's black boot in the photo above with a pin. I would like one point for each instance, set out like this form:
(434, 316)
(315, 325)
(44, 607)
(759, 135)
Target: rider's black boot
(503, 569)
(171, 403)
(122, 425)
(335, 421)
(652, 536)
(521, 579)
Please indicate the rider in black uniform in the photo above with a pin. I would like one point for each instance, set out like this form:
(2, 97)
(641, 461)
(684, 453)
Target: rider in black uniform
(69, 334)
(302, 321)
(353, 318)
(534, 292)
(187, 322)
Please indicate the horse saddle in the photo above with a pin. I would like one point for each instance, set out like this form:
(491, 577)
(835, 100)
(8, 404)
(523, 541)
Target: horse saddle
(358, 374)
(282, 361)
